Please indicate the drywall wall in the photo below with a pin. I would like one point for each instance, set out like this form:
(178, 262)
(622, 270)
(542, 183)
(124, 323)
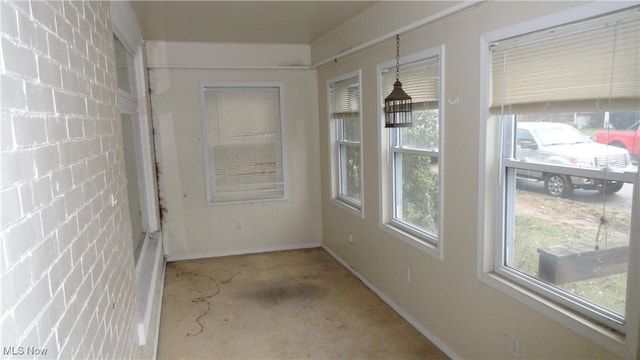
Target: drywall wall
(377, 21)
(464, 315)
(192, 228)
(174, 54)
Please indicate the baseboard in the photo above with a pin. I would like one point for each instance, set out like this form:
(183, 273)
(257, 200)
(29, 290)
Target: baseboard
(156, 340)
(423, 330)
(172, 258)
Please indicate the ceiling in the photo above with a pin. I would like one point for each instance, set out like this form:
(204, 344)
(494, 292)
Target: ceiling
(296, 22)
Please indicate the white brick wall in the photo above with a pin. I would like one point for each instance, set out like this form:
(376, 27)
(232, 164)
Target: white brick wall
(67, 282)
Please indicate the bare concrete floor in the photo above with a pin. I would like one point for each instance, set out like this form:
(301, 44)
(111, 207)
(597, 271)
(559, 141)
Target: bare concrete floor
(282, 305)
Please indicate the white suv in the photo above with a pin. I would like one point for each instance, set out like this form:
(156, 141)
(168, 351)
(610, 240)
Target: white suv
(561, 144)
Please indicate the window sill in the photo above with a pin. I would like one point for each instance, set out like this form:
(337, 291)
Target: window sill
(359, 212)
(148, 268)
(418, 242)
(606, 337)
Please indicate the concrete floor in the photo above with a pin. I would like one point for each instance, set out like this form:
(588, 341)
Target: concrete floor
(281, 305)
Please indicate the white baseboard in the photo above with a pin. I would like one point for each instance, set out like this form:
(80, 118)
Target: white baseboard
(172, 258)
(147, 272)
(423, 330)
(156, 340)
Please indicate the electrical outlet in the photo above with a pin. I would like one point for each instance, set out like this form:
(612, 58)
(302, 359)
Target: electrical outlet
(239, 224)
(350, 238)
(515, 347)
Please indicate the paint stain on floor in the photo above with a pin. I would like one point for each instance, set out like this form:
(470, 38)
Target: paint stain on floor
(281, 292)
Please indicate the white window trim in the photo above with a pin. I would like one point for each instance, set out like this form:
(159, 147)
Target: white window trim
(205, 146)
(421, 241)
(335, 166)
(149, 192)
(489, 200)
(126, 29)
(505, 199)
(136, 107)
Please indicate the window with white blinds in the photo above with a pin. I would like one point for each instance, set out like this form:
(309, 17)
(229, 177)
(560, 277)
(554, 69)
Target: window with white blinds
(420, 80)
(243, 151)
(590, 65)
(346, 134)
(345, 97)
(411, 162)
(550, 89)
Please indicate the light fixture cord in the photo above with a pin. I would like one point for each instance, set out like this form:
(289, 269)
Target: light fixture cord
(397, 57)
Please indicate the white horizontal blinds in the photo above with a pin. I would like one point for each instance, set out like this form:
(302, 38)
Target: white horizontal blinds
(245, 150)
(243, 114)
(588, 65)
(345, 98)
(345, 108)
(419, 79)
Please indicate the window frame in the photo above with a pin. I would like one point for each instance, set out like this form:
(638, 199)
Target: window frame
(335, 144)
(493, 206)
(208, 173)
(130, 67)
(134, 104)
(507, 198)
(149, 264)
(412, 235)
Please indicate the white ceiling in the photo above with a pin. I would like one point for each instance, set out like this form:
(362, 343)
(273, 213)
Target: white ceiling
(298, 22)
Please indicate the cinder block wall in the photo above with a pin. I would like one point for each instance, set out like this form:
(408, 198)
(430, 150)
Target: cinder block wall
(66, 271)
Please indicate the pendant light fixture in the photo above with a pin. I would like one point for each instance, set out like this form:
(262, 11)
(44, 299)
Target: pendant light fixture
(397, 106)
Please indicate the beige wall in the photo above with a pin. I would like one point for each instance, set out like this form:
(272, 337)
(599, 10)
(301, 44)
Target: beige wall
(377, 21)
(470, 318)
(192, 228)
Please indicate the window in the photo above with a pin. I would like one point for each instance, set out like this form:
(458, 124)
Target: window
(411, 156)
(131, 143)
(345, 135)
(136, 144)
(142, 198)
(125, 67)
(242, 126)
(564, 226)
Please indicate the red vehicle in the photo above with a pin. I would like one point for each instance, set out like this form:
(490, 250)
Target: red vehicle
(628, 139)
